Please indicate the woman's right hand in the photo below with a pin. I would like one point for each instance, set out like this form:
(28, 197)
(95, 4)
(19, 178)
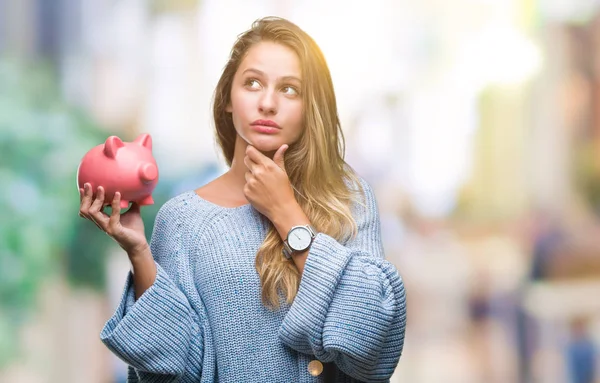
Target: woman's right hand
(126, 229)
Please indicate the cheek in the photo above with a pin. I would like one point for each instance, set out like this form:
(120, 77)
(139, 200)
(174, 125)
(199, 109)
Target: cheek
(296, 117)
(239, 109)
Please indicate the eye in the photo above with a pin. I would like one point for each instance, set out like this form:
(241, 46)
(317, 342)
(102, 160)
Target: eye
(252, 83)
(290, 90)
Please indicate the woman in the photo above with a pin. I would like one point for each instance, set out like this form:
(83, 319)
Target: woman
(274, 268)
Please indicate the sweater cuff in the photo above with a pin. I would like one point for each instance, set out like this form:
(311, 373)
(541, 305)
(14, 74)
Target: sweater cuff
(302, 326)
(152, 334)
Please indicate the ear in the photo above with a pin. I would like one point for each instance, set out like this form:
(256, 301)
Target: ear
(112, 144)
(229, 108)
(144, 140)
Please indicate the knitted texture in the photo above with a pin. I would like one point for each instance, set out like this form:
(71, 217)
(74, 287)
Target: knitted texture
(203, 321)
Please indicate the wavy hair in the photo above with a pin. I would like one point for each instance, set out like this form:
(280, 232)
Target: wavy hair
(315, 163)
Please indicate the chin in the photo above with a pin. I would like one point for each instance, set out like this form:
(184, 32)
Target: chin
(266, 143)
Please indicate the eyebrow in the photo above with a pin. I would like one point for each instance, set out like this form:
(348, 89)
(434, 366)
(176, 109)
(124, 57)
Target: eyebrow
(284, 78)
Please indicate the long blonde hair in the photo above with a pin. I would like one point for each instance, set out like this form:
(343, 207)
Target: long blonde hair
(315, 163)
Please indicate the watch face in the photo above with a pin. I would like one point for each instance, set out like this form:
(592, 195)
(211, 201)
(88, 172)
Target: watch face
(299, 239)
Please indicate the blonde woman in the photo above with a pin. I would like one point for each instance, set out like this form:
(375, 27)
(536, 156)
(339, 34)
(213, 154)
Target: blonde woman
(273, 272)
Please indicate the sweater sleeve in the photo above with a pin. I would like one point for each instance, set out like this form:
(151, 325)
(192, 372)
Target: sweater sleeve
(350, 307)
(160, 335)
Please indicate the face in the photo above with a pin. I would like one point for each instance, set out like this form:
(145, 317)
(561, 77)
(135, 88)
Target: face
(266, 104)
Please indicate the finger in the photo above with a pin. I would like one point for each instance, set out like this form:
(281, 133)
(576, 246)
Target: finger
(85, 204)
(81, 191)
(251, 165)
(115, 215)
(89, 217)
(86, 201)
(278, 157)
(87, 197)
(96, 212)
(98, 201)
(248, 176)
(256, 156)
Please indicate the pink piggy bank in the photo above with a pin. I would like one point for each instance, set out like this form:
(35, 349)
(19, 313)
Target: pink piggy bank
(126, 167)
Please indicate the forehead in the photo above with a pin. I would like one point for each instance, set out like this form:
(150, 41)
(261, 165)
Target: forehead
(273, 59)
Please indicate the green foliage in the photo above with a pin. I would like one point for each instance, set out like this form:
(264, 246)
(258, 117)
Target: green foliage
(42, 141)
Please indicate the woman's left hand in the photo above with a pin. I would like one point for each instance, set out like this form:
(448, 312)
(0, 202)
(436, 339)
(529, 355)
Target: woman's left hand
(268, 187)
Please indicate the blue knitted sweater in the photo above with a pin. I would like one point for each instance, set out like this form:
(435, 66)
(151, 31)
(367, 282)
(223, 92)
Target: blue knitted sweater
(203, 320)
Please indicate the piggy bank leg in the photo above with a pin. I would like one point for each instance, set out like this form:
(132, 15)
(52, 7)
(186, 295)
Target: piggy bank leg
(124, 204)
(147, 201)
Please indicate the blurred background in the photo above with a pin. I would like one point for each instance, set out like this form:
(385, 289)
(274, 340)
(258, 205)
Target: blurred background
(477, 122)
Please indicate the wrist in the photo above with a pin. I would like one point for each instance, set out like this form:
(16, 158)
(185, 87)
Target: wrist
(139, 252)
(289, 217)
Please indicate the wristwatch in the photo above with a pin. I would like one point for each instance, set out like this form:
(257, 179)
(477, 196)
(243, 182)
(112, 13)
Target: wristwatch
(299, 238)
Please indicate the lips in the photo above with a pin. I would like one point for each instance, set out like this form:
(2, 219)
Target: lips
(269, 123)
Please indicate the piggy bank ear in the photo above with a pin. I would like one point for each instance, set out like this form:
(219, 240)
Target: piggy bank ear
(144, 140)
(112, 144)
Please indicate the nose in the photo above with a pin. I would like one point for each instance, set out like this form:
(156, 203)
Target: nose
(267, 103)
(148, 172)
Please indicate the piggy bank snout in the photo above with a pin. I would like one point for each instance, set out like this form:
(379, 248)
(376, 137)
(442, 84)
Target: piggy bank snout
(148, 172)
